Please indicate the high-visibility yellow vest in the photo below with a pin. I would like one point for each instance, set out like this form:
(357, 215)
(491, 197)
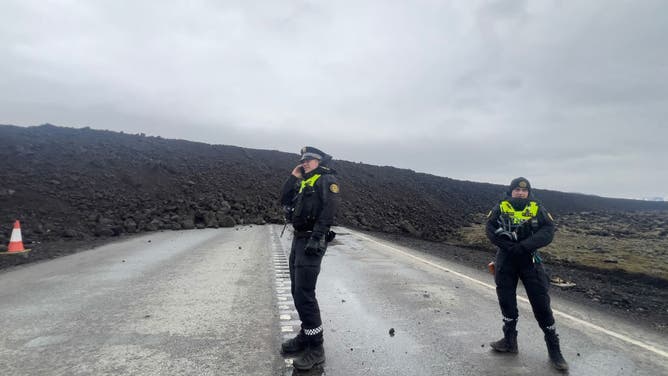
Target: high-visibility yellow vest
(519, 216)
(309, 182)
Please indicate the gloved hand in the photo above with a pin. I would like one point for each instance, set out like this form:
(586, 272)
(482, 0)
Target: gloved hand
(504, 243)
(517, 249)
(503, 234)
(316, 246)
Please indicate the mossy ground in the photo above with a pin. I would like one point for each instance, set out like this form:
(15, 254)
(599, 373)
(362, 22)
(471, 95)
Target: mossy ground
(635, 242)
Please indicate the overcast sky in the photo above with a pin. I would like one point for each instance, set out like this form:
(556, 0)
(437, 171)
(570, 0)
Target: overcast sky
(571, 94)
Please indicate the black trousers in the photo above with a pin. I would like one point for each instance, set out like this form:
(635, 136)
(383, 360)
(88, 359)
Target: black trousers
(510, 269)
(304, 270)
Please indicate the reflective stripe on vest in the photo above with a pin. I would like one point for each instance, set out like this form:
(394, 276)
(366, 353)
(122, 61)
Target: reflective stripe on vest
(519, 216)
(310, 182)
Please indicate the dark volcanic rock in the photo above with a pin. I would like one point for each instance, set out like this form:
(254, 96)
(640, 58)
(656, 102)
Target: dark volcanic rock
(67, 183)
(130, 225)
(187, 224)
(154, 225)
(227, 221)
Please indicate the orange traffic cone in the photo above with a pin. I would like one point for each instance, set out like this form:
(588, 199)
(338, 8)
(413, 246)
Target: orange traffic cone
(16, 242)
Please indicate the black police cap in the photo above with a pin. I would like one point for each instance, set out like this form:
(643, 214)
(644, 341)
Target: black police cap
(309, 152)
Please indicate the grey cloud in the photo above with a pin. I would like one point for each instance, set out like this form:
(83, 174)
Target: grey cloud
(572, 94)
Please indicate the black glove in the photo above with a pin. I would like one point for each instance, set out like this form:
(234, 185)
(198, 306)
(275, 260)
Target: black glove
(316, 246)
(505, 243)
(503, 234)
(517, 249)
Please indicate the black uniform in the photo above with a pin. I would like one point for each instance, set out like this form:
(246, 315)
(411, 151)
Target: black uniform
(519, 260)
(315, 200)
(519, 227)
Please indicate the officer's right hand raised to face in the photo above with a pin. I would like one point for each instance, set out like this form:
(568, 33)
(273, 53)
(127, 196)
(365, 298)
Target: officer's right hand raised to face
(519, 225)
(297, 171)
(311, 195)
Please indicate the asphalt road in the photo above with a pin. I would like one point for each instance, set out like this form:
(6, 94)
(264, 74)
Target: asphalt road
(185, 303)
(216, 302)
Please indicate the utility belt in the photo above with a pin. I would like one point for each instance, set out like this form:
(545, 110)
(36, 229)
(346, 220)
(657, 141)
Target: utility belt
(329, 236)
(535, 256)
(303, 234)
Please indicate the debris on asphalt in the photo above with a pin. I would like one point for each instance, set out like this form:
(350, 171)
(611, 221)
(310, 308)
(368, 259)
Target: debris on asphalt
(556, 281)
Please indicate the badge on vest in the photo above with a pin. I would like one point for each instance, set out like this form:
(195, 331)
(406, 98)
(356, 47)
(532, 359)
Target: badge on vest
(334, 188)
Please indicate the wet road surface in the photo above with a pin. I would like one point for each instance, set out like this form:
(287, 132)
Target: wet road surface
(194, 302)
(216, 302)
(444, 317)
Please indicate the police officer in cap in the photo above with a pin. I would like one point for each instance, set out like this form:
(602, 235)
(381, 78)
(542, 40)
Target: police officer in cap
(519, 225)
(310, 196)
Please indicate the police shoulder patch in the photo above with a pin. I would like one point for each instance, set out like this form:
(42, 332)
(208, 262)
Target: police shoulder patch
(334, 188)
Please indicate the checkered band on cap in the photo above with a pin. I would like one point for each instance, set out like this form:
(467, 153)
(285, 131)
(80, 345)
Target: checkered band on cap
(551, 327)
(314, 331)
(311, 156)
(506, 319)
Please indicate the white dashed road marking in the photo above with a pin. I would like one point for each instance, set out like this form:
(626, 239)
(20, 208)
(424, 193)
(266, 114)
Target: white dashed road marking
(287, 315)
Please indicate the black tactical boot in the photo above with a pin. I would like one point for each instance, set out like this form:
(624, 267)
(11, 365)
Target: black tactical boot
(294, 345)
(509, 341)
(552, 341)
(312, 356)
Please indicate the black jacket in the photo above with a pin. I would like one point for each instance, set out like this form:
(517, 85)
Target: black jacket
(314, 208)
(530, 238)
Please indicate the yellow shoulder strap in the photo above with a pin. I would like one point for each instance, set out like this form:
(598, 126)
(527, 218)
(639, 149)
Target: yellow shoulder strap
(309, 182)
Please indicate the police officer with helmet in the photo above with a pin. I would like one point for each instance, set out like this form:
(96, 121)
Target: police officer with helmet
(519, 225)
(310, 197)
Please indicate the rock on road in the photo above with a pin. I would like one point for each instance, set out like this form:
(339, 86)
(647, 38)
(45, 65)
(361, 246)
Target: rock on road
(214, 302)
